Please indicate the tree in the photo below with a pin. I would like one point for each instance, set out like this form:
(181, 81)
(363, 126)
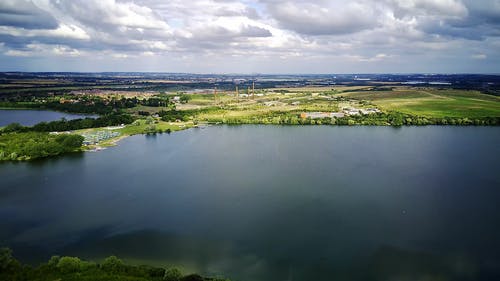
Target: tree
(112, 264)
(184, 98)
(69, 264)
(396, 119)
(54, 260)
(70, 142)
(7, 261)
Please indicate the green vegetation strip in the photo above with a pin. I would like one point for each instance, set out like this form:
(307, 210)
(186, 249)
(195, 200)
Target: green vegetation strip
(73, 269)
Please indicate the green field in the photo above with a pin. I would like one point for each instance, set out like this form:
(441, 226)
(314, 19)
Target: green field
(433, 103)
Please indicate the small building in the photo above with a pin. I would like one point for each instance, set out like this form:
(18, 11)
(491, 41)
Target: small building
(272, 103)
(337, 114)
(319, 115)
(367, 111)
(351, 111)
(357, 111)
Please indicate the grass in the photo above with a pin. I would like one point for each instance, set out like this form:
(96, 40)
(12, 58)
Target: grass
(434, 103)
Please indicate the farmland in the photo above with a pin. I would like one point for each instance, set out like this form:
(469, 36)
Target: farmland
(433, 103)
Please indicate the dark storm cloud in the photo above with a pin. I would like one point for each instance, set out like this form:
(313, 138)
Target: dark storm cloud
(25, 14)
(484, 11)
(468, 29)
(473, 20)
(477, 25)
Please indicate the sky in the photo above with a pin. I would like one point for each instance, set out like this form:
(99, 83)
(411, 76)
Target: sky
(251, 36)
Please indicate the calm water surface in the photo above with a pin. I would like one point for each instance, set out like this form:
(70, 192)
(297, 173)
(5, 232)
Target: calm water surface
(32, 117)
(271, 203)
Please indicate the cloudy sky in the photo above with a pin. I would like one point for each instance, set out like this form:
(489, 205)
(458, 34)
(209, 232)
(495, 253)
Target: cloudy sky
(251, 36)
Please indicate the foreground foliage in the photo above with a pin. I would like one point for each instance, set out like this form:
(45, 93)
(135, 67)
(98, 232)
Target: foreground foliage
(73, 269)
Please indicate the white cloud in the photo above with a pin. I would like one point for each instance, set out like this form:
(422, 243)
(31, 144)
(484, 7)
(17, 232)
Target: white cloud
(312, 34)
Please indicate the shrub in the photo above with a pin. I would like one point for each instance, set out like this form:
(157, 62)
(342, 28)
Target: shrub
(7, 261)
(172, 274)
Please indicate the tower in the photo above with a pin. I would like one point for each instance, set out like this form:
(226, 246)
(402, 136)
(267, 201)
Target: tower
(253, 89)
(215, 94)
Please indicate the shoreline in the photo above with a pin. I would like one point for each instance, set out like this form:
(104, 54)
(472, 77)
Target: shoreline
(111, 142)
(115, 141)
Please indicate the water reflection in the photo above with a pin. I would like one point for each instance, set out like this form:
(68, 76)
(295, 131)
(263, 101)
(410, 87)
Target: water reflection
(68, 159)
(32, 117)
(217, 258)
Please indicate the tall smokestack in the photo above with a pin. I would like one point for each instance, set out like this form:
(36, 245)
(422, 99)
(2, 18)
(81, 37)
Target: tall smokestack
(237, 93)
(253, 89)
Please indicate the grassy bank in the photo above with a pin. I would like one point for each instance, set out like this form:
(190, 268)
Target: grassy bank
(140, 126)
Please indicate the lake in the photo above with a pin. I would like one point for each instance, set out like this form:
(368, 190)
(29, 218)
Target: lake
(31, 117)
(270, 203)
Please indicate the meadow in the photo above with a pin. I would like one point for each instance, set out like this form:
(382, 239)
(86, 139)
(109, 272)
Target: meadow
(433, 103)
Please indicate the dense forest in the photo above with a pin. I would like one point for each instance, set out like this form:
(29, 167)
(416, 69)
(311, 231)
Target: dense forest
(32, 145)
(73, 268)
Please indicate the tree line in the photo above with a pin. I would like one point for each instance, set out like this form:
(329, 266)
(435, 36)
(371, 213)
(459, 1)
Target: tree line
(83, 103)
(376, 119)
(112, 119)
